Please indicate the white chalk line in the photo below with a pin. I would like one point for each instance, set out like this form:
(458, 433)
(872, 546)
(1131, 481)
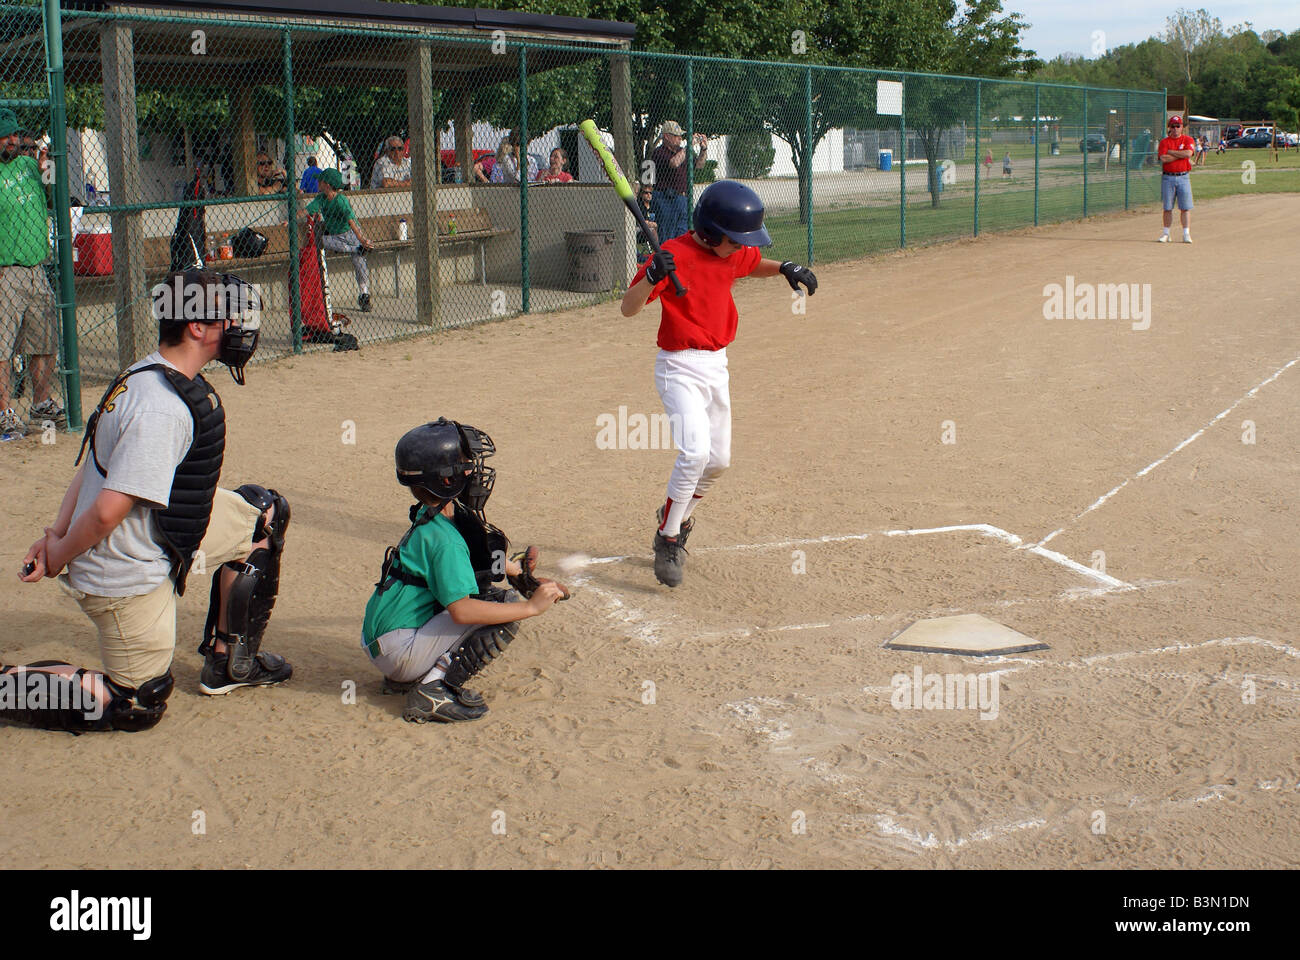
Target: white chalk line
(648, 629)
(985, 529)
(1151, 466)
(886, 826)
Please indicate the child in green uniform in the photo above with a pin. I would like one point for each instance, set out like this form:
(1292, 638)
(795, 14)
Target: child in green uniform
(342, 232)
(435, 619)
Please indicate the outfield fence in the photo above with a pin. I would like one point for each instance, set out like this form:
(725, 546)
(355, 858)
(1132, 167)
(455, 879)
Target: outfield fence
(171, 135)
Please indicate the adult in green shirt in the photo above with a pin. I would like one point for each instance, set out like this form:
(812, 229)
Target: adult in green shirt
(29, 323)
(342, 232)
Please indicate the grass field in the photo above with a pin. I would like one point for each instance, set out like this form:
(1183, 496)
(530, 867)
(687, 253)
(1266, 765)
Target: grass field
(844, 233)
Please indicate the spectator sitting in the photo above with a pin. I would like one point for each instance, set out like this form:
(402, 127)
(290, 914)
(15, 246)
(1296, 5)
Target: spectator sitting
(310, 176)
(392, 169)
(483, 168)
(556, 173)
(341, 230)
(507, 165)
(271, 177)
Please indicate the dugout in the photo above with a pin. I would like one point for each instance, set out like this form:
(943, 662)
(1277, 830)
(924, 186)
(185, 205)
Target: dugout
(264, 54)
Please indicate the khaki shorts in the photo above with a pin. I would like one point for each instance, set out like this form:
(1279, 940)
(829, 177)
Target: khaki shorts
(137, 635)
(29, 320)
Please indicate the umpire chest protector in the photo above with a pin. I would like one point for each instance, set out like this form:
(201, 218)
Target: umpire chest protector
(183, 523)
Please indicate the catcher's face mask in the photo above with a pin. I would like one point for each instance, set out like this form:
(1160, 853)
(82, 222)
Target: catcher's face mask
(478, 446)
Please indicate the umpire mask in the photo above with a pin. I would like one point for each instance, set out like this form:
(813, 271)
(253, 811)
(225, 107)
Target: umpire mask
(243, 304)
(203, 296)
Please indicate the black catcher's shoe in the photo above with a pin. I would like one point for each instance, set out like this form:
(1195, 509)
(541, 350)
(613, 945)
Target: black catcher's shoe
(435, 701)
(470, 698)
(268, 670)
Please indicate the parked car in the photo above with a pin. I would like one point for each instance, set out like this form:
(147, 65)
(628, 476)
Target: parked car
(1261, 138)
(1096, 143)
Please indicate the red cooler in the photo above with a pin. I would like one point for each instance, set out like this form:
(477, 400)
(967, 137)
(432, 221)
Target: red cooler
(92, 254)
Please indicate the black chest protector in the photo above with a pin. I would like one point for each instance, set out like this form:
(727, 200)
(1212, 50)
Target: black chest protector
(488, 547)
(183, 523)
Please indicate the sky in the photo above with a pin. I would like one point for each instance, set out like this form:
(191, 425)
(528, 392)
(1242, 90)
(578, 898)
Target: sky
(1068, 26)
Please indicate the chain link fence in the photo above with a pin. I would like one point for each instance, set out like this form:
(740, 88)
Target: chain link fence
(383, 181)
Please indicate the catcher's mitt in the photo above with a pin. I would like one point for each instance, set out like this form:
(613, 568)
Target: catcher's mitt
(525, 582)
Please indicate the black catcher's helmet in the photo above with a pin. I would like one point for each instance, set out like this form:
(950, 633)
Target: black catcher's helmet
(435, 457)
(730, 209)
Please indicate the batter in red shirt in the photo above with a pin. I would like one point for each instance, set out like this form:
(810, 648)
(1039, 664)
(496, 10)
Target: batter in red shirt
(1175, 152)
(694, 330)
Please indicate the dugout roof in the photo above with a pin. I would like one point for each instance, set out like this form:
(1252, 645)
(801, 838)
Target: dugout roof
(253, 54)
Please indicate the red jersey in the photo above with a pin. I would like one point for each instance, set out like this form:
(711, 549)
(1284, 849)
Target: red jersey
(1182, 164)
(706, 318)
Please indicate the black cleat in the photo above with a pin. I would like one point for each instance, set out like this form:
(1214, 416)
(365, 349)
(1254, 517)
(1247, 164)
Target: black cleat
(668, 560)
(363, 302)
(470, 698)
(438, 702)
(268, 670)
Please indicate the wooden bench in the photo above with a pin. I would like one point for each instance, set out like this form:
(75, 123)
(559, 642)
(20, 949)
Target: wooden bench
(473, 226)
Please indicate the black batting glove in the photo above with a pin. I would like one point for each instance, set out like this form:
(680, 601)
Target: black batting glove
(796, 275)
(660, 265)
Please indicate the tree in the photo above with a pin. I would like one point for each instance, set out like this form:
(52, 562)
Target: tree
(979, 40)
(1192, 35)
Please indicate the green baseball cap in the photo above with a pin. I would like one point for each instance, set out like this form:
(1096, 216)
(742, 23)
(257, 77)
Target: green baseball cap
(8, 122)
(332, 177)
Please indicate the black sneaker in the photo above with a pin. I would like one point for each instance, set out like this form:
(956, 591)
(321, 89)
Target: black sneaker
(268, 670)
(668, 560)
(438, 702)
(470, 698)
(687, 526)
(363, 302)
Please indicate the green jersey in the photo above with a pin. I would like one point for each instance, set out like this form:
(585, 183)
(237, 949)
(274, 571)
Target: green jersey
(25, 238)
(336, 213)
(433, 551)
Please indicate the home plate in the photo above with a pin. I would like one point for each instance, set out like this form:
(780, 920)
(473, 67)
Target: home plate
(969, 634)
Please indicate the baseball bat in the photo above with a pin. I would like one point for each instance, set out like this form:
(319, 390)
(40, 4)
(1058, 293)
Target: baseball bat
(624, 190)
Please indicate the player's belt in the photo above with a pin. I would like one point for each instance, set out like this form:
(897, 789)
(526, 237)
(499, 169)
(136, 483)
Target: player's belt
(1181, 173)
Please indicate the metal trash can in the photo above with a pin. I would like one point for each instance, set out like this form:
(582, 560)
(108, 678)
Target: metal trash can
(1056, 148)
(886, 161)
(591, 260)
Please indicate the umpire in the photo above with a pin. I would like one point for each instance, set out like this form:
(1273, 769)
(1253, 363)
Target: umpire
(143, 508)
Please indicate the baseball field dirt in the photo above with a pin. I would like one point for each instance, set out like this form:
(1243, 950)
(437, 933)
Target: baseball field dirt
(922, 443)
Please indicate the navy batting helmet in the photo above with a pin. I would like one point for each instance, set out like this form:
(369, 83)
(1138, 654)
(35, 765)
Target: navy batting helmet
(730, 209)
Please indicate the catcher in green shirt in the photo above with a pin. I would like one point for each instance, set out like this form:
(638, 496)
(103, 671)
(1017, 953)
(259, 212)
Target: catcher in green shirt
(435, 618)
(342, 232)
(29, 323)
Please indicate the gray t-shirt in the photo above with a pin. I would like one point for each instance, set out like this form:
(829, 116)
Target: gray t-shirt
(144, 432)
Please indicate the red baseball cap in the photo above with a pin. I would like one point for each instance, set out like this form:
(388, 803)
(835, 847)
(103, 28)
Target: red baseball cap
(1173, 120)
